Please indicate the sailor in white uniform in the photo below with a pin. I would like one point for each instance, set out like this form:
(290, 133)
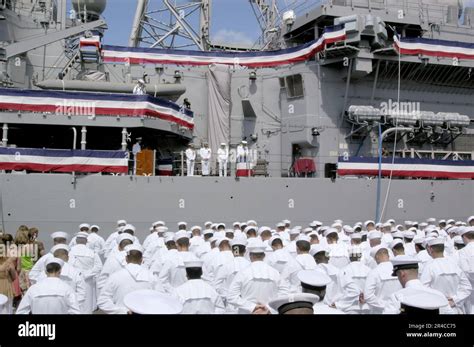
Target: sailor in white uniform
(88, 262)
(190, 160)
(51, 295)
(380, 284)
(82, 227)
(197, 296)
(338, 255)
(256, 285)
(302, 261)
(59, 237)
(466, 260)
(405, 268)
(222, 158)
(205, 153)
(280, 258)
(133, 277)
(95, 241)
(173, 272)
(445, 275)
(116, 260)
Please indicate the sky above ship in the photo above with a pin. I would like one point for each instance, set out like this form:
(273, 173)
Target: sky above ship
(233, 21)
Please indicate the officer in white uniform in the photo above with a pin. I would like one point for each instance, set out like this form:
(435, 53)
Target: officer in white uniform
(222, 158)
(51, 295)
(380, 284)
(133, 277)
(190, 160)
(197, 296)
(88, 262)
(205, 153)
(256, 285)
(405, 267)
(445, 275)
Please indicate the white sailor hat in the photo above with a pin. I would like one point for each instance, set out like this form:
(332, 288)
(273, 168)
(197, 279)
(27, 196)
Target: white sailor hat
(273, 238)
(458, 239)
(58, 247)
(367, 222)
(402, 262)
(378, 225)
(193, 263)
(409, 234)
(430, 228)
(133, 247)
(466, 230)
(262, 229)
(452, 230)
(244, 142)
(335, 225)
(348, 229)
(431, 220)
(220, 225)
(281, 225)
(459, 223)
(450, 221)
(418, 240)
(435, 241)
(354, 249)
(151, 229)
(356, 236)
(395, 242)
(169, 237)
(422, 300)
(408, 222)
(387, 225)
(247, 229)
(307, 230)
(95, 226)
(286, 221)
(194, 227)
(374, 234)
(329, 231)
(289, 302)
(223, 144)
(208, 231)
(317, 248)
(54, 260)
(442, 221)
(313, 224)
(148, 301)
(216, 237)
(256, 246)
(84, 225)
(423, 225)
(222, 239)
(236, 224)
(397, 234)
(180, 235)
(129, 227)
(318, 223)
(59, 235)
(339, 221)
(391, 221)
(125, 236)
(121, 222)
(313, 233)
(303, 237)
(471, 218)
(214, 226)
(182, 223)
(314, 278)
(157, 223)
(229, 231)
(207, 223)
(82, 234)
(162, 229)
(374, 250)
(251, 221)
(3, 300)
(295, 231)
(239, 241)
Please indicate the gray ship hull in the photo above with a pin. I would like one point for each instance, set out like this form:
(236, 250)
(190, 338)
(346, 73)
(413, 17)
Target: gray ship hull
(53, 202)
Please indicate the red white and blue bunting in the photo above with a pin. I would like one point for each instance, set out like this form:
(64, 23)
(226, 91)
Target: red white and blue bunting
(116, 54)
(95, 104)
(63, 160)
(434, 48)
(406, 167)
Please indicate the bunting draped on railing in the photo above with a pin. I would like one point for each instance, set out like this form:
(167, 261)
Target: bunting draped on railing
(434, 48)
(249, 59)
(406, 167)
(95, 104)
(63, 160)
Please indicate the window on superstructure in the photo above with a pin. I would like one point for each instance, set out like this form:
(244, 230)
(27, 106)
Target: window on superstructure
(294, 86)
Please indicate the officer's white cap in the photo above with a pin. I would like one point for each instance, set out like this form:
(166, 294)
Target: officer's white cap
(55, 260)
(58, 247)
(401, 262)
(59, 235)
(285, 303)
(423, 299)
(374, 234)
(315, 278)
(148, 301)
(133, 247)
